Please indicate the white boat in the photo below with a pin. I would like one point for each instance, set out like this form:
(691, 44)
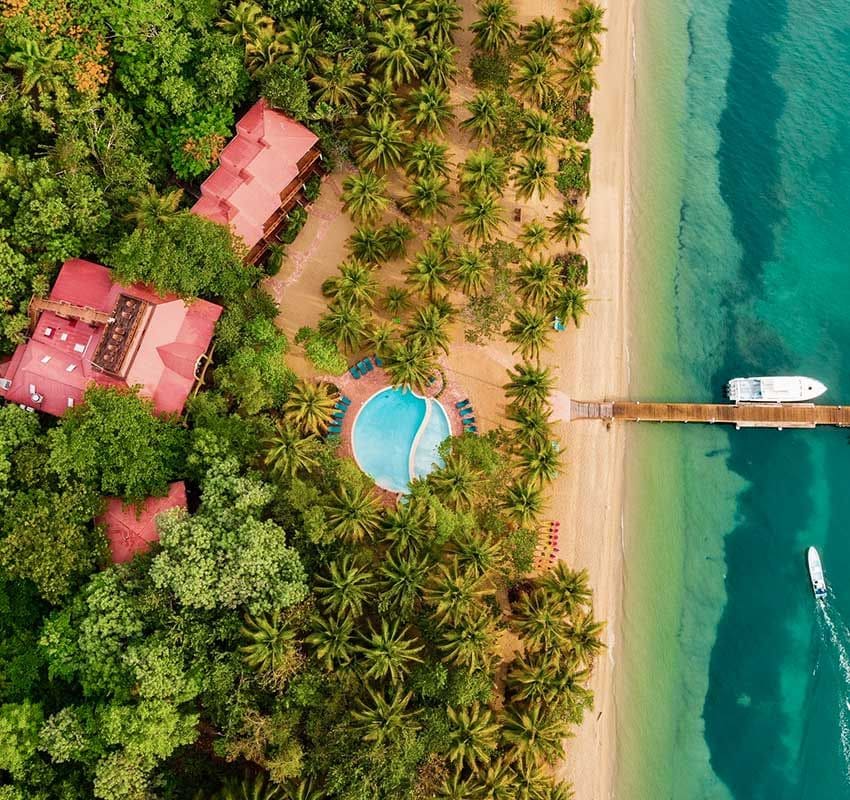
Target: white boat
(816, 574)
(783, 389)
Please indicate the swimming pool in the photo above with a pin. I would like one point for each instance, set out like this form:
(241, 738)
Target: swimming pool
(396, 435)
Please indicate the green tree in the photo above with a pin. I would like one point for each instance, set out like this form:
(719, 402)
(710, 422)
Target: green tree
(473, 736)
(484, 115)
(584, 27)
(380, 719)
(364, 195)
(428, 197)
(397, 51)
(429, 328)
(534, 79)
(429, 273)
(543, 36)
(540, 464)
(454, 595)
(439, 20)
(428, 159)
(346, 324)
(410, 365)
(522, 503)
(389, 652)
(380, 143)
(429, 108)
(570, 305)
(244, 22)
(40, 68)
(470, 644)
(529, 385)
(539, 133)
(150, 208)
(310, 406)
(482, 217)
(354, 513)
(584, 643)
(356, 284)
(114, 443)
(538, 283)
(368, 245)
(580, 72)
(439, 67)
(541, 622)
(337, 82)
(285, 88)
(483, 172)
(19, 726)
(348, 586)
(571, 588)
(569, 225)
(456, 482)
(533, 177)
(529, 331)
(333, 640)
(531, 731)
(290, 453)
(269, 644)
(495, 29)
(403, 578)
(534, 236)
(471, 271)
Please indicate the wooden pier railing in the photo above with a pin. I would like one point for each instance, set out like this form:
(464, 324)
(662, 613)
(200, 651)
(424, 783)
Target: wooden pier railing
(743, 415)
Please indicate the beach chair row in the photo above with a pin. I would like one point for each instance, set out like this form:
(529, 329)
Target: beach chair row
(339, 412)
(467, 416)
(364, 366)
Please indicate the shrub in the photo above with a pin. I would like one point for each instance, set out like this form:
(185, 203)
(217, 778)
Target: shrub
(580, 128)
(574, 177)
(312, 188)
(295, 221)
(285, 88)
(490, 71)
(573, 268)
(197, 142)
(322, 352)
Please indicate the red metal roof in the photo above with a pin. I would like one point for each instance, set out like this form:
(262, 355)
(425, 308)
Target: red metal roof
(131, 529)
(52, 370)
(255, 167)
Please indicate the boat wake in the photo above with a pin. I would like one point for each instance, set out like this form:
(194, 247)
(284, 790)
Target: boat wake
(835, 632)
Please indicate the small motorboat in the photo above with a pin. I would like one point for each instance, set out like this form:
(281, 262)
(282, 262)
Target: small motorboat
(780, 389)
(816, 574)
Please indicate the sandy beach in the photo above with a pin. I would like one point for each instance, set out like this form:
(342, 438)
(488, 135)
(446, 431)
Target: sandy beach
(590, 363)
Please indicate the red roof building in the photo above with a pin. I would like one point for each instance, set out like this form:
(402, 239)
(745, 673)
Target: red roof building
(262, 170)
(131, 529)
(92, 330)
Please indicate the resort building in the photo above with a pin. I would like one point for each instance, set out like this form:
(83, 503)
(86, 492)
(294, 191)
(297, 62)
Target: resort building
(132, 529)
(92, 330)
(262, 171)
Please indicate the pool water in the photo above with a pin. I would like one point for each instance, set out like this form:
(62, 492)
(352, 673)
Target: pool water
(396, 437)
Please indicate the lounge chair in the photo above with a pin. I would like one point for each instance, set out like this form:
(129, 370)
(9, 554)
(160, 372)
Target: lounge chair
(462, 403)
(465, 412)
(471, 429)
(334, 429)
(339, 415)
(355, 371)
(468, 421)
(346, 401)
(366, 365)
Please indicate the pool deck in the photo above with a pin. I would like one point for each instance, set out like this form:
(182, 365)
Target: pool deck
(359, 390)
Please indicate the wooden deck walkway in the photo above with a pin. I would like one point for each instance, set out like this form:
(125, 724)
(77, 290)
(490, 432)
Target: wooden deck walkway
(745, 415)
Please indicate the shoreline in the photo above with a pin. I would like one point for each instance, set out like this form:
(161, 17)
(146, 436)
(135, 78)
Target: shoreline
(590, 498)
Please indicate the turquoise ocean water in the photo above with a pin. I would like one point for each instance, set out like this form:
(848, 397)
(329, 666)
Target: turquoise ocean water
(731, 684)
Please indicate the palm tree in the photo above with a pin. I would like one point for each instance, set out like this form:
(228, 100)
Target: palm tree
(336, 82)
(531, 782)
(469, 645)
(381, 142)
(456, 482)
(584, 643)
(534, 78)
(523, 502)
(534, 678)
(570, 588)
(442, 240)
(429, 328)
(404, 578)
(569, 225)
(383, 338)
(498, 779)
(533, 178)
(244, 22)
(399, 10)
(540, 619)
(482, 216)
(533, 733)
(455, 787)
(270, 646)
(355, 286)
(533, 427)
(439, 66)
(364, 195)
(302, 40)
(473, 735)
(405, 528)
(262, 51)
(439, 19)
(347, 588)
(483, 172)
(470, 271)
(529, 331)
(289, 452)
(397, 51)
(540, 464)
(396, 300)
(381, 720)
(354, 513)
(455, 595)
(428, 197)
(570, 305)
(367, 245)
(309, 405)
(151, 209)
(496, 27)
(529, 385)
(475, 552)
(382, 98)
(429, 108)
(584, 27)
(534, 236)
(332, 638)
(410, 365)
(40, 69)
(484, 115)
(249, 788)
(395, 236)
(542, 35)
(580, 72)
(540, 133)
(428, 159)
(429, 273)
(390, 652)
(538, 283)
(345, 323)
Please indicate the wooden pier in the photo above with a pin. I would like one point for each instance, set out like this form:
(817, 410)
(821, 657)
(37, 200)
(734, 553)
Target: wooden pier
(743, 415)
